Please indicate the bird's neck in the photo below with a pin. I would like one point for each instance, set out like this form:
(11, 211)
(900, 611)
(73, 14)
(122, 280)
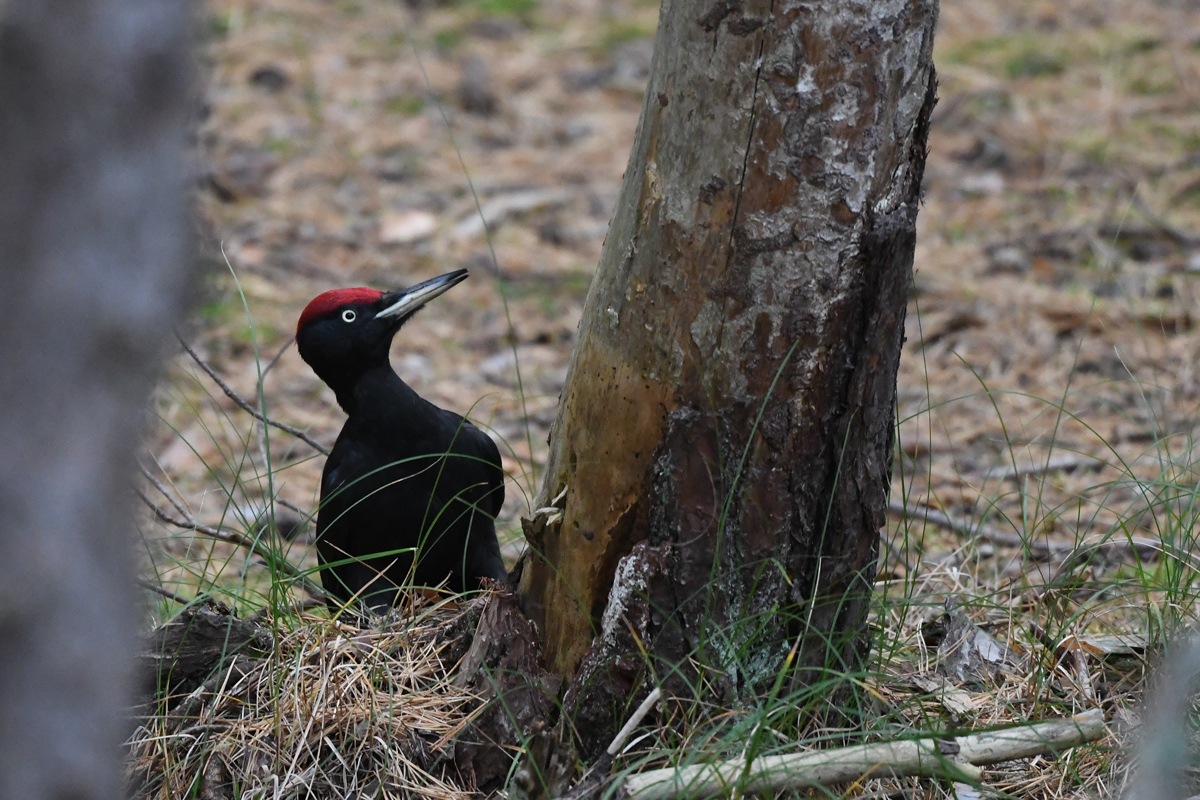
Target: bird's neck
(378, 396)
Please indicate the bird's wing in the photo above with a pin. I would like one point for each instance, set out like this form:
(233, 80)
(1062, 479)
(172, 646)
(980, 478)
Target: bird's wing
(478, 445)
(341, 582)
(343, 465)
(334, 474)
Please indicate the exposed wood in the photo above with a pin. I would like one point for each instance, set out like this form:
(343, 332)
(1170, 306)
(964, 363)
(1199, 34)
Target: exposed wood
(949, 757)
(723, 444)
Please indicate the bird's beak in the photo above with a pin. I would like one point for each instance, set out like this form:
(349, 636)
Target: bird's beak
(403, 304)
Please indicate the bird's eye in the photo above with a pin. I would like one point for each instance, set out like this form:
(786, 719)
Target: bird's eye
(349, 316)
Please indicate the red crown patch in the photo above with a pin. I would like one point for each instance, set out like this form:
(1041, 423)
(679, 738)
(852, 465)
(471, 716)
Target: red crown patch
(328, 301)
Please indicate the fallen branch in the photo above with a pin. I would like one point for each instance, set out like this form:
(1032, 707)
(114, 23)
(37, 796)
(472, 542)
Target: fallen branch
(1143, 546)
(271, 364)
(305, 514)
(495, 211)
(954, 757)
(246, 405)
(970, 530)
(1068, 462)
(235, 538)
(635, 719)
(188, 524)
(157, 484)
(1180, 237)
(164, 591)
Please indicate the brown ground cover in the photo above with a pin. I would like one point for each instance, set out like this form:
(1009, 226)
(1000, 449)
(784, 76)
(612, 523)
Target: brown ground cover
(1048, 388)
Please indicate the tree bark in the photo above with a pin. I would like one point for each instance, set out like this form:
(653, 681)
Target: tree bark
(722, 453)
(93, 101)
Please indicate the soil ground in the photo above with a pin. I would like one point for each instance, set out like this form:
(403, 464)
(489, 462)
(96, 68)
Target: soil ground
(1050, 373)
(1054, 303)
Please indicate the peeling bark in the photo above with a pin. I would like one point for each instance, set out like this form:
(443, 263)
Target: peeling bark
(724, 439)
(501, 668)
(186, 651)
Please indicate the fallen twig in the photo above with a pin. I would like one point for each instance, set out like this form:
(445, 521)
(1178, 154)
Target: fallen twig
(235, 538)
(635, 719)
(246, 405)
(951, 757)
(157, 484)
(596, 779)
(1143, 546)
(305, 514)
(1063, 463)
(290, 506)
(271, 364)
(498, 209)
(189, 524)
(969, 529)
(165, 592)
(1180, 237)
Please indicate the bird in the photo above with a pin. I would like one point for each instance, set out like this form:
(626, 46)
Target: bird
(410, 491)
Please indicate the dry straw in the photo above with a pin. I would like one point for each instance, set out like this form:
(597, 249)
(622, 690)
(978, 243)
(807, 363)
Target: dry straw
(334, 710)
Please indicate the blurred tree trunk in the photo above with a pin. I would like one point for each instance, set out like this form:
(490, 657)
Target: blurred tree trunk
(92, 264)
(724, 442)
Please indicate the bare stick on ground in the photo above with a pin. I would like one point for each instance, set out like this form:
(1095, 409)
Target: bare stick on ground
(237, 538)
(955, 758)
(246, 405)
(164, 592)
(1144, 547)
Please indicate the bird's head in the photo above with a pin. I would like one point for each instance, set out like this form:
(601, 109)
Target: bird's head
(344, 332)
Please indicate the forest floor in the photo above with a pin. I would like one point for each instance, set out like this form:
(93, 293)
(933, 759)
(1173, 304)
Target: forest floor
(1050, 384)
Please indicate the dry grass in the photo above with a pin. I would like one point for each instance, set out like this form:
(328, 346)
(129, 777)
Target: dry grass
(335, 710)
(1045, 675)
(913, 687)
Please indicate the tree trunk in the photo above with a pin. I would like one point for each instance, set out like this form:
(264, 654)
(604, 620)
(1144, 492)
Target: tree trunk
(722, 452)
(93, 100)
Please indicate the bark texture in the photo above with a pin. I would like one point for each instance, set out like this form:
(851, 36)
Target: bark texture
(92, 263)
(723, 445)
(185, 652)
(501, 668)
